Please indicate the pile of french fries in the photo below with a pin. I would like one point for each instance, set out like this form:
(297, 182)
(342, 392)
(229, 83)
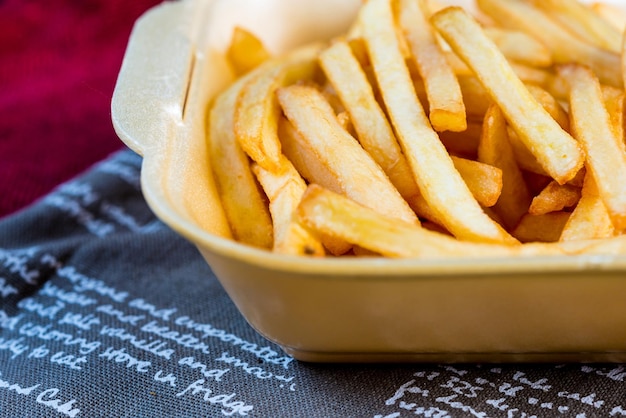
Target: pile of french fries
(430, 131)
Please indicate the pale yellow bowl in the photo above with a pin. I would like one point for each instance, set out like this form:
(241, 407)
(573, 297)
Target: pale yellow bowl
(537, 309)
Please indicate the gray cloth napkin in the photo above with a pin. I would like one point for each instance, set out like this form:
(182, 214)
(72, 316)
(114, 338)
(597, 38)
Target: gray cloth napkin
(106, 312)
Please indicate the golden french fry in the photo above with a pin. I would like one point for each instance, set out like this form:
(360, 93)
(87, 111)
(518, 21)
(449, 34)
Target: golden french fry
(541, 228)
(245, 51)
(554, 198)
(256, 116)
(446, 106)
(525, 159)
(331, 213)
(244, 204)
(303, 157)
(590, 219)
(284, 190)
(430, 163)
(557, 152)
(591, 125)
(359, 176)
(483, 180)
(520, 46)
(565, 47)
(495, 149)
(551, 105)
(370, 123)
(614, 101)
(583, 21)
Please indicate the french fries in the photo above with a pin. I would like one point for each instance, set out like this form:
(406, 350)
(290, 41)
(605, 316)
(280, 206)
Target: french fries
(428, 131)
(335, 214)
(373, 130)
(430, 163)
(557, 152)
(495, 148)
(590, 219)
(243, 202)
(446, 106)
(284, 190)
(356, 171)
(591, 125)
(256, 117)
(554, 197)
(245, 51)
(584, 22)
(565, 46)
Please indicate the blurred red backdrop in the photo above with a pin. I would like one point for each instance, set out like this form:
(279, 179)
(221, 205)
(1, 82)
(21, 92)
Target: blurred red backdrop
(59, 61)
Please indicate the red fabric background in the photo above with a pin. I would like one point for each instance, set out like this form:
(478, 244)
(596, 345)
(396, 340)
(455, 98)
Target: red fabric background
(59, 60)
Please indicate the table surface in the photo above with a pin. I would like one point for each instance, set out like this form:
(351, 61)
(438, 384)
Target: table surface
(105, 311)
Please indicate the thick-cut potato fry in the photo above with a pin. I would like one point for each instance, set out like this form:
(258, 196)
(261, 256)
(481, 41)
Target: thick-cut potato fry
(256, 116)
(359, 176)
(583, 21)
(446, 107)
(614, 101)
(590, 219)
(284, 190)
(554, 198)
(525, 159)
(438, 180)
(483, 180)
(551, 104)
(331, 213)
(565, 47)
(495, 149)
(557, 152)
(591, 125)
(541, 228)
(520, 46)
(370, 123)
(245, 51)
(244, 204)
(304, 159)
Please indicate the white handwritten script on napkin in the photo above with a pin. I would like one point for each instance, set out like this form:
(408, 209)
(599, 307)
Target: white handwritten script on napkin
(124, 332)
(108, 313)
